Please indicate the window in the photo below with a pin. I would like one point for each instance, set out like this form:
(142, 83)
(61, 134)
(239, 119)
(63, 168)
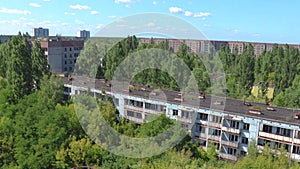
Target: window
(215, 119)
(283, 131)
(214, 132)
(65, 55)
(175, 112)
(246, 126)
(202, 116)
(185, 114)
(66, 69)
(65, 64)
(70, 55)
(71, 62)
(267, 128)
(233, 138)
(245, 140)
(65, 49)
(296, 150)
(130, 113)
(231, 151)
(70, 49)
(70, 68)
(234, 124)
(297, 134)
(74, 60)
(139, 115)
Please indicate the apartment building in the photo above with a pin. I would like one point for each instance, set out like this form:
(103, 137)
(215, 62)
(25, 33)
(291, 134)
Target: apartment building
(206, 46)
(231, 129)
(83, 34)
(40, 32)
(62, 53)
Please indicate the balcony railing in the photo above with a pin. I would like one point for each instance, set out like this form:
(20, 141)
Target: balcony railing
(295, 157)
(131, 107)
(231, 130)
(186, 120)
(296, 140)
(215, 138)
(134, 119)
(228, 156)
(275, 137)
(149, 111)
(200, 135)
(213, 124)
(230, 144)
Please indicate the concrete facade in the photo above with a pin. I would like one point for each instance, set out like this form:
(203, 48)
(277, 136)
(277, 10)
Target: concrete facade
(62, 54)
(231, 129)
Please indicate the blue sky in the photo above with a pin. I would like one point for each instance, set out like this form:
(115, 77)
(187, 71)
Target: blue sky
(238, 20)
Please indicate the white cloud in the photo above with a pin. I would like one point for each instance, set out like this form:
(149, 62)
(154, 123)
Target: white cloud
(112, 16)
(36, 5)
(236, 31)
(122, 1)
(154, 3)
(188, 13)
(202, 14)
(79, 21)
(64, 24)
(127, 6)
(94, 12)
(29, 24)
(46, 0)
(79, 7)
(68, 13)
(14, 11)
(175, 10)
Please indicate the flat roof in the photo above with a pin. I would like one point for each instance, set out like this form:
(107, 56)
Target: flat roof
(231, 106)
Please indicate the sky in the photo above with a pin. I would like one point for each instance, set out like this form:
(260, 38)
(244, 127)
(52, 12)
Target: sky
(271, 21)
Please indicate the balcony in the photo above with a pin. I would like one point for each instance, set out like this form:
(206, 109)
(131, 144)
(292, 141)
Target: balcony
(275, 137)
(149, 111)
(295, 157)
(214, 138)
(215, 125)
(228, 156)
(201, 135)
(230, 144)
(134, 119)
(231, 130)
(185, 120)
(297, 141)
(133, 108)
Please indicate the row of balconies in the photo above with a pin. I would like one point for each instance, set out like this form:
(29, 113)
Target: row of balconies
(217, 139)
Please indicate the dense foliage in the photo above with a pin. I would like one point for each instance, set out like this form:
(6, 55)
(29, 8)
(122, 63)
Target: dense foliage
(278, 67)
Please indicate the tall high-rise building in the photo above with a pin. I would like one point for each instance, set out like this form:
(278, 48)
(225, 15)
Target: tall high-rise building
(40, 32)
(83, 34)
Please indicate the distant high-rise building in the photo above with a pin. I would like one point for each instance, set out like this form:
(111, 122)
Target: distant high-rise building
(83, 34)
(40, 32)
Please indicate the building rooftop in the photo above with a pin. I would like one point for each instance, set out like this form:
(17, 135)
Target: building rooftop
(229, 105)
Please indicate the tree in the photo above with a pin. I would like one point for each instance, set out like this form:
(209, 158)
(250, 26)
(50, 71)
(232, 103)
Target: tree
(40, 66)
(18, 73)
